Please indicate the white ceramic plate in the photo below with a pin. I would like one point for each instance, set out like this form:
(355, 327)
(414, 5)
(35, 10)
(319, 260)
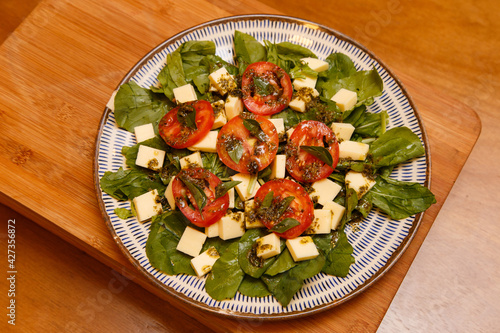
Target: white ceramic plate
(378, 242)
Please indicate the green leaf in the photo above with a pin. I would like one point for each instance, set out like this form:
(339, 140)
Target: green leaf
(340, 258)
(186, 115)
(128, 184)
(253, 287)
(247, 257)
(266, 203)
(226, 275)
(283, 286)
(282, 264)
(247, 50)
(319, 152)
(395, 146)
(199, 195)
(262, 87)
(123, 213)
(400, 199)
(235, 151)
(212, 163)
(254, 128)
(223, 187)
(130, 153)
(283, 205)
(284, 225)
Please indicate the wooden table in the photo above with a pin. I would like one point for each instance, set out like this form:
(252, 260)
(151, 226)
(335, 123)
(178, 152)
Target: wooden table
(57, 72)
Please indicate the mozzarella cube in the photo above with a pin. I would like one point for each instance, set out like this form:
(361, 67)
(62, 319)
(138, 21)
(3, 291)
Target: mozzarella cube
(297, 104)
(352, 150)
(268, 246)
(358, 182)
(151, 158)
(230, 192)
(243, 187)
(185, 94)
(232, 225)
(251, 221)
(222, 81)
(307, 82)
(324, 190)
(191, 242)
(169, 194)
(278, 167)
(203, 263)
(233, 107)
(343, 131)
(219, 114)
(212, 230)
(111, 103)
(279, 124)
(144, 132)
(207, 144)
(322, 222)
(337, 213)
(290, 132)
(190, 161)
(302, 248)
(315, 64)
(345, 99)
(147, 205)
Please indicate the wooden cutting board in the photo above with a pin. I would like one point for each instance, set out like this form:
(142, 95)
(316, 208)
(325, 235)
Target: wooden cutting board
(57, 72)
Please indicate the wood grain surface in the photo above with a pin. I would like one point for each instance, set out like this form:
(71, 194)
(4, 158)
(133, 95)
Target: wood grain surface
(61, 115)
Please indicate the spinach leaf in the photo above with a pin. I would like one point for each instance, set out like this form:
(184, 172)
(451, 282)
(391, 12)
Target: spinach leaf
(123, 213)
(283, 286)
(199, 76)
(284, 225)
(340, 66)
(292, 118)
(282, 264)
(395, 146)
(253, 287)
(319, 152)
(340, 258)
(301, 71)
(175, 68)
(367, 124)
(247, 257)
(212, 163)
(400, 199)
(136, 106)
(247, 50)
(214, 62)
(193, 52)
(165, 233)
(226, 275)
(128, 184)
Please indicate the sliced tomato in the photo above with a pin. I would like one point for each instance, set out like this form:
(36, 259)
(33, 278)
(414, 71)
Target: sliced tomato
(302, 165)
(214, 209)
(244, 152)
(266, 88)
(179, 135)
(300, 209)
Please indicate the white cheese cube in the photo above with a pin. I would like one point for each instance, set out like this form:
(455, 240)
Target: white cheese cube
(184, 94)
(337, 213)
(345, 99)
(233, 107)
(231, 197)
(307, 82)
(207, 144)
(315, 64)
(358, 182)
(297, 104)
(203, 263)
(352, 150)
(151, 158)
(193, 160)
(251, 221)
(232, 225)
(324, 190)
(343, 131)
(322, 222)
(144, 132)
(111, 103)
(219, 113)
(147, 205)
(279, 124)
(302, 248)
(278, 167)
(243, 187)
(268, 246)
(290, 132)
(191, 242)
(222, 81)
(212, 230)
(169, 194)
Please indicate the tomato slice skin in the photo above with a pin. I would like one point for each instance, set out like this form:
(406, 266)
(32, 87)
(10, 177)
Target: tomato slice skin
(179, 136)
(256, 154)
(301, 208)
(280, 84)
(213, 211)
(302, 165)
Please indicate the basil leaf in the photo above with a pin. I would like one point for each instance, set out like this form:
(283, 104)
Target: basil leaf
(283, 205)
(199, 195)
(262, 87)
(236, 151)
(186, 115)
(254, 128)
(222, 188)
(266, 203)
(319, 152)
(284, 225)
